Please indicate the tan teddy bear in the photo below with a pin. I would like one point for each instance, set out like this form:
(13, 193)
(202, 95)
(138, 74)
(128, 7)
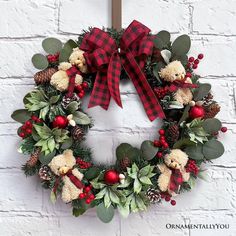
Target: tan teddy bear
(63, 165)
(60, 79)
(77, 58)
(173, 172)
(175, 71)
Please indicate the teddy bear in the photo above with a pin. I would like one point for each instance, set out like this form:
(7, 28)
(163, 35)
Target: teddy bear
(175, 72)
(63, 165)
(60, 79)
(77, 59)
(173, 172)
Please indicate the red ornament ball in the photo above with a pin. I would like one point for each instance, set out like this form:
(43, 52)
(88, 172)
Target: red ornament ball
(196, 112)
(60, 122)
(111, 177)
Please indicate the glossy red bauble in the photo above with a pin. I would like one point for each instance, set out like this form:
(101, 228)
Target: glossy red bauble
(60, 122)
(111, 177)
(196, 112)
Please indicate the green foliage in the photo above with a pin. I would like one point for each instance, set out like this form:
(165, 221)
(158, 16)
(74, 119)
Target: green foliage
(148, 150)
(81, 118)
(162, 39)
(105, 214)
(52, 45)
(67, 50)
(40, 61)
(126, 150)
(181, 45)
(27, 145)
(212, 125)
(201, 91)
(21, 115)
(30, 170)
(50, 139)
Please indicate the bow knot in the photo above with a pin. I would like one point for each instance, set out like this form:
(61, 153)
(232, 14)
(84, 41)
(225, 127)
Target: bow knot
(105, 58)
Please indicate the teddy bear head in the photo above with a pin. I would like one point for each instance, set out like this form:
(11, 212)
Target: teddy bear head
(77, 58)
(176, 159)
(173, 71)
(62, 163)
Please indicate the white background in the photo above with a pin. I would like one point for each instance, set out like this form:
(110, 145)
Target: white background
(25, 208)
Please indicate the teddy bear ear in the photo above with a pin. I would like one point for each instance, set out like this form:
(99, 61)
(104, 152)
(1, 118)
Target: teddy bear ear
(68, 153)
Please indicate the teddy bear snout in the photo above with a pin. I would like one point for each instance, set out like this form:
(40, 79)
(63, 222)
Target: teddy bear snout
(63, 170)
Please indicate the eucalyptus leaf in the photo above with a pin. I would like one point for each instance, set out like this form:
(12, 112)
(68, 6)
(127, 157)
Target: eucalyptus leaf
(158, 43)
(72, 107)
(67, 144)
(181, 45)
(52, 45)
(105, 214)
(212, 125)
(21, 115)
(148, 150)
(39, 61)
(201, 91)
(183, 143)
(195, 152)
(54, 99)
(64, 55)
(213, 149)
(81, 118)
(78, 211)
(92, 173)
(46, 159)
(122, 150)
(164, 36)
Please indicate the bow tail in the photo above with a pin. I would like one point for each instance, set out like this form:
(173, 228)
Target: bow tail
(100, 95)
(113, 78)
(151, 105)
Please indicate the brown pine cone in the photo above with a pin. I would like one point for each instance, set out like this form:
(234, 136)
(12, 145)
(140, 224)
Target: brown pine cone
(124, 163)
(153, 195)
(67, 100)
(172, 134)
(77, 133)
(44, 76)
(211, 111)
(45, 173)
(33, 158)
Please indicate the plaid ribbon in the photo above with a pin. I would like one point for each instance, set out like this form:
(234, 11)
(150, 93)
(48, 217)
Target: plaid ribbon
(180, 84)
(104, 58)
(72, 72)
(176, 180)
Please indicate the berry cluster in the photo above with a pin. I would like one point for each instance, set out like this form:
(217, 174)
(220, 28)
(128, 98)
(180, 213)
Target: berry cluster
(167, 198)
(87, 194)
(161, 143)
(80, 89)
(53, 58)
(83, 164)
(161, 92)
(192, 167)
(27, 127)
(193, 63)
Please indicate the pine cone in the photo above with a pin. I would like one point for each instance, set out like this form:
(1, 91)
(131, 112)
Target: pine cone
(211, 111)
(172, 134)
(77, 133)
(44, 76)
(207, 99)
(45, 173)
(33, 158)
(67, 100)
(153, 195)
(124, 163)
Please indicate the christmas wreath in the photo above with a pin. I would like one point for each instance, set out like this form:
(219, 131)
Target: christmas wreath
(54, 124)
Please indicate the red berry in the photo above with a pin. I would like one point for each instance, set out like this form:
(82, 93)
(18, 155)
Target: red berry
(28, 131)
(159, 154)
(163, 195)
(81, 196)
(189, 65)
(156, 143)
(188, 74)
(81, 94)
(200, 56)
(39, 120)
(88, 201)
(162, 142)
(34, 118)
(191, 59)
(85, 85)
(22, 135)
(91, 197)
(196, 61)
(167, 198)
(165, 145)
(28, 123)
(87, 189)
(78, 88)
(24, 127)
(173, 202)
(161, 131)
(195, 66)
(224, 129)
(162, 137)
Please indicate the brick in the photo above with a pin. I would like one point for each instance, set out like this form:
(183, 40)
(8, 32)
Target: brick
(27, 19)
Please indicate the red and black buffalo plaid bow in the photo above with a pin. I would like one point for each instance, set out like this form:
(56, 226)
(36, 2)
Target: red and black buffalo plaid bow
(180, 84)
(72, 72)
(105, 58)
(176, 180)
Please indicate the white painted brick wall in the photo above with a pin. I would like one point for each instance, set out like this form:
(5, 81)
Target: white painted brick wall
(25, 208)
